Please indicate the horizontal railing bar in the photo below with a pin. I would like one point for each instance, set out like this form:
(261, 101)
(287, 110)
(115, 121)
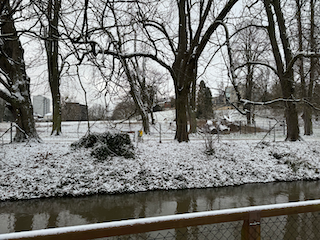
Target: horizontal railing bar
(135, 226)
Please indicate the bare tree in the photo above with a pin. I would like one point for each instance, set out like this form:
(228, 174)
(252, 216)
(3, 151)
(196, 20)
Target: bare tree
(307, 86)
(52, 51)
(13, 77)
(51, 28)
(249, 46)
(284, 60)
(284, 66)
(186, 42)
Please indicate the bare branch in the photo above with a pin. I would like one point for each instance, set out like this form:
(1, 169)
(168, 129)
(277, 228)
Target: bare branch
(245, 102)
(302, 54)
(132, 55)
(258, 63)
(214, 26)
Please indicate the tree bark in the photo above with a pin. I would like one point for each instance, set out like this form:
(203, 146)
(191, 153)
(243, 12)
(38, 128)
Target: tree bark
(181, 116)
(313, 62)
(192, 74)
(52, 50)
(248, 93)
(18, 83)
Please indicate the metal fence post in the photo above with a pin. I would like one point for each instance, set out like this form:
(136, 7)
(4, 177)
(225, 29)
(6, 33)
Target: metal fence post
(251, 227)
(11, 126)
(269, 127)
(255, 128)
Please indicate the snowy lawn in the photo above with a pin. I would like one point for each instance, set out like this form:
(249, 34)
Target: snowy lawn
(53, 168)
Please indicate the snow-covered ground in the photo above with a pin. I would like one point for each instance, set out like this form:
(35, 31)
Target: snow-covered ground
(53, 168)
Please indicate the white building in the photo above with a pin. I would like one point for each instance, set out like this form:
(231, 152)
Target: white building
(41, 105)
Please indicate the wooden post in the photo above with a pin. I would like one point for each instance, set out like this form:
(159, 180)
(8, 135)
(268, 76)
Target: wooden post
(251, 227)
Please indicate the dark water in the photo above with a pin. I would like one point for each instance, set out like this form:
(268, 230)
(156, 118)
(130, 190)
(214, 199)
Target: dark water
(47, 213)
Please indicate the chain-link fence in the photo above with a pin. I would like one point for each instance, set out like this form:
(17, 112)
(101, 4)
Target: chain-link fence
(299, 220)
(294, 226)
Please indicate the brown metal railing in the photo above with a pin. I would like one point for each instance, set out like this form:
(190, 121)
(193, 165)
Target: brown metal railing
(250, 216)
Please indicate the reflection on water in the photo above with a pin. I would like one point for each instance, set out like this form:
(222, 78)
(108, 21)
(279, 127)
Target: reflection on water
(47, 213)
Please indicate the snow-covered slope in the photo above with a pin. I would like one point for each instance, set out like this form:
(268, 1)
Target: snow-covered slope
(52, 168)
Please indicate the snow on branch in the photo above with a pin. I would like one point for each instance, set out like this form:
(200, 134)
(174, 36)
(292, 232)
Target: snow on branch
(3, 80)
(245, 102)
(5, 96)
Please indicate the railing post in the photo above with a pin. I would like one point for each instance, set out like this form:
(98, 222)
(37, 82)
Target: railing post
(251, 227)
(11, 126)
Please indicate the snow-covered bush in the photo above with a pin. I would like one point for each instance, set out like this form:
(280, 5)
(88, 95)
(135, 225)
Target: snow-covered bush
(105, 145)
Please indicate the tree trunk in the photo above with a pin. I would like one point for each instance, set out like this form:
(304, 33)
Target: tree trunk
(248, 93)
(292, 122)
(52, 49)
(145, 122)
(307, 118)
(313, 62)
(181, 116)
(192, 119)
(192, 75)
(56, 116)
(285, 75)
(291, 112)
(13, 65)
(307, 111)
(25, 121)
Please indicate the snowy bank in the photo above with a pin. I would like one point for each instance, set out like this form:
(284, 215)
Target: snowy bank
(54, 169)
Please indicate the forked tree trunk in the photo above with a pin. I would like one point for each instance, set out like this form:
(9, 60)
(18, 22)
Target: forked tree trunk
(285, 75)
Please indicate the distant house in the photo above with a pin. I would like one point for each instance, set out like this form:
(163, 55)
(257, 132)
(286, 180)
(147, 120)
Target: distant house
(219, 101)
(41, 105)
(231, 94)
(74, 112)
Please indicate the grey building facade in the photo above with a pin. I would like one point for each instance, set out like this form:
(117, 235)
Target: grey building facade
(41, 105)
